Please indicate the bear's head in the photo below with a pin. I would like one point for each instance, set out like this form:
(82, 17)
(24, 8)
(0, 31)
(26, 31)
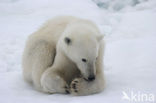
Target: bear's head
(81, 45)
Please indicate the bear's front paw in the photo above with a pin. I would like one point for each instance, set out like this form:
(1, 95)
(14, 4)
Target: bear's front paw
(78, 86)
(74, 86)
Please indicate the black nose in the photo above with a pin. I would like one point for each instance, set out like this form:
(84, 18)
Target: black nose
(91, 78)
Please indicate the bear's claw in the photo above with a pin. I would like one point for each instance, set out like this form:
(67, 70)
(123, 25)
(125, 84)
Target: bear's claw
(67, 89)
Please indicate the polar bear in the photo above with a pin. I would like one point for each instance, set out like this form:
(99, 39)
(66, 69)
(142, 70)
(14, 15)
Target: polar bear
(65, 56)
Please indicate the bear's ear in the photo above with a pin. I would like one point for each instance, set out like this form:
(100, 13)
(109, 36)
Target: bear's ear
(67, 40)
(100, 37)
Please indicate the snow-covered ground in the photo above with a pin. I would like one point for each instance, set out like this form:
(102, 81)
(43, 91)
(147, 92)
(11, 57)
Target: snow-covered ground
(130, 54)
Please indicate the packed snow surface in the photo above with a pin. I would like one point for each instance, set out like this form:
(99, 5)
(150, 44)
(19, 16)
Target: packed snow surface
(129, 27)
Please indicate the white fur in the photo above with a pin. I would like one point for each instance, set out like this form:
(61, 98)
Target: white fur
(54, 66)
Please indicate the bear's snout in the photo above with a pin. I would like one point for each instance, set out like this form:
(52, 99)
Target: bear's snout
(91, 78)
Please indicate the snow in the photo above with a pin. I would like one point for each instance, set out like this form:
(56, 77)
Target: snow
(130, 35)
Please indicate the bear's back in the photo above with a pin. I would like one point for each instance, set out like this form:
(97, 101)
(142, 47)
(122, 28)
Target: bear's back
(52, 29)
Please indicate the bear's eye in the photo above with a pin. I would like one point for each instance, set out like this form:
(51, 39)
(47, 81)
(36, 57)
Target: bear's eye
(84, 60)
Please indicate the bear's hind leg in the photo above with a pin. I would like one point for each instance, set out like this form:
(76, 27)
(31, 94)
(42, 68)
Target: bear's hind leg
(51, 82)
(43, 57)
